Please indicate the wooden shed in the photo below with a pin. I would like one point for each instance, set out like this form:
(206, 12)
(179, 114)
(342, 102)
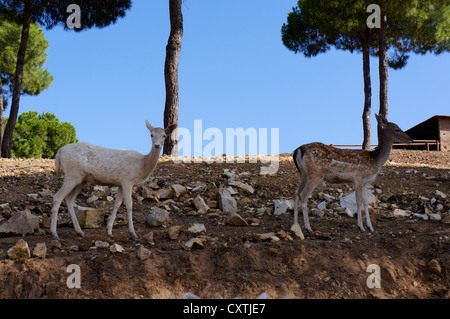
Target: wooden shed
(433, 133)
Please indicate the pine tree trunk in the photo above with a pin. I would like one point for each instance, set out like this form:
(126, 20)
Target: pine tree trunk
(2, 121)
(383, 70)
(7, 137)
(367, 95)
(171, 74)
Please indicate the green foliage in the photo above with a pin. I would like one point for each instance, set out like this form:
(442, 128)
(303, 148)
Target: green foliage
(40, 135)
(35, 78)
(412, 26)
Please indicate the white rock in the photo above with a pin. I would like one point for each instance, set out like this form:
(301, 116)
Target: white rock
(282, 206)
(322, 206)
(349, 201)
(422, 216)
(401, 213)
(297, 231)
(116, 248)
(197, 228)
(247, 188)
(436, 217)
(193, 243)
(439, 207)
(101, 244)
(329, 198)
(91, 199)
(226, 202)
(439, 193)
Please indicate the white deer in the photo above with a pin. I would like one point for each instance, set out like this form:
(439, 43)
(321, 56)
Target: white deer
(317, 162)
(83, 163)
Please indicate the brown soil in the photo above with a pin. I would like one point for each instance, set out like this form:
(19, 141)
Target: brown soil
(330, 263)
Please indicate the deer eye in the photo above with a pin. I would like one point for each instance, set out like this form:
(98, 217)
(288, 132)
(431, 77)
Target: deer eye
(151, 135)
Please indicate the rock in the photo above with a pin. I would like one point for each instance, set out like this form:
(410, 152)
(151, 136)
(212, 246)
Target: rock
(226, 202)
(158, 217)
(349, 212)
(143, 253)
(148, 238)
(5, 208)
(401, 213)
(20, 223)
(200, 204)
(266, 236)
(116, 248)
(33, 196)
(20, 250)
(90, 217)
(91, 199)
(247, 188)
(446, 219)
(101, 244)
(282, 206)
(297, 231)
(149, 193)
(322, 206)
(194, 243)
(236, 220)
(328, 197)
(439, 207)
(439, 193)
(199, 186)
(174, 232)
(197, 228)
(166, 193)
(40, 250)
(422, 216)
(178, 190)
(100, 191)
(436, 217)
(349, 201)
(434, 267)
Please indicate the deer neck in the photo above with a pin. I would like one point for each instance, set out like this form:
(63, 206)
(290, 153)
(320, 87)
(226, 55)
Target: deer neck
(151, 159)
(382, 152)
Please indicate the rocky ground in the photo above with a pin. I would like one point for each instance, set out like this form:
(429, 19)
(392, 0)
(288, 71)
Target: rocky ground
(223, 231)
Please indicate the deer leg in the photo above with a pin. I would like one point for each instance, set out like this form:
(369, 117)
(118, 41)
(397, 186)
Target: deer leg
(299, 190)
(112, 217)
(359, 189)
(70, 202)
(66, 189)
(129, 203)
(307, 191)
(366, 210)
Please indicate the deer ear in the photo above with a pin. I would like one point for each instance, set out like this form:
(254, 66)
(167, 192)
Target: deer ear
(171, 128)
(149, 126)
(381, 120)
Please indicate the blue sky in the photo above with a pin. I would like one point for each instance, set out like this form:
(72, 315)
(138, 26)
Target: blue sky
(234, 72)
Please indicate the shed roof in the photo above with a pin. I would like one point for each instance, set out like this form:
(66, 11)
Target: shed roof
(427, 130)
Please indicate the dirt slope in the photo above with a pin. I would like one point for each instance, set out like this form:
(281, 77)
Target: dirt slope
(413, 254)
